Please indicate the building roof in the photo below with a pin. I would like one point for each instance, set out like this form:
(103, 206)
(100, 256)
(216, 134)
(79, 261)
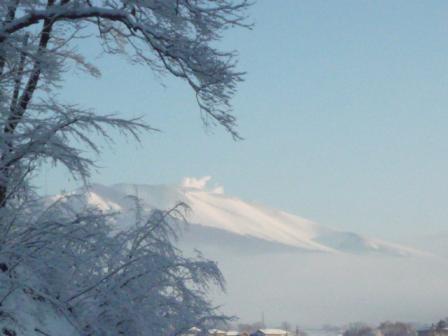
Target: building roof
(273, 332)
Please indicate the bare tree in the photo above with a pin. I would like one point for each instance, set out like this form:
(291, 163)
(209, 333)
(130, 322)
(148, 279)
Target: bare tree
(361, 329)
(110, 283)
(38, 42)
(397, 329)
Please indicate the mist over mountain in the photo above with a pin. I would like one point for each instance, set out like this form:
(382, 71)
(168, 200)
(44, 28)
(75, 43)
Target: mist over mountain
(290, 268)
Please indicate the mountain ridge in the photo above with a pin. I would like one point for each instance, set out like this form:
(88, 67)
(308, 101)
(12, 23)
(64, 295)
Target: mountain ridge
(212, 208)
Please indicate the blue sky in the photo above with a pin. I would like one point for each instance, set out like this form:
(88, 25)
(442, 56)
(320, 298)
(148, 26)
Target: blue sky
(343, 111)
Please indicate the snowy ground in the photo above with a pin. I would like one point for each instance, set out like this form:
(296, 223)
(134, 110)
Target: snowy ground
(27, 311)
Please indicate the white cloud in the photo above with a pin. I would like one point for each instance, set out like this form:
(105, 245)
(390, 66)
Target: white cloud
(195, 183)
(201, 183)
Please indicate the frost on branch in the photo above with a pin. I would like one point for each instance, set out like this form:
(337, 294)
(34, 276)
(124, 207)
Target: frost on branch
(106, 282)
(175, 36)
(38, 45)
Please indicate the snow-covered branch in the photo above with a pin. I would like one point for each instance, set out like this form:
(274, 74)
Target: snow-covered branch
(107, 283)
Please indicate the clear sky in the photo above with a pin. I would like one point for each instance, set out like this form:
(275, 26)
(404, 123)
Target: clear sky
(344, 114)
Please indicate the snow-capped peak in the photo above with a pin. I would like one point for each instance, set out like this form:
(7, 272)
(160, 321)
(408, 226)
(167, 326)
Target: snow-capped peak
(211, 208)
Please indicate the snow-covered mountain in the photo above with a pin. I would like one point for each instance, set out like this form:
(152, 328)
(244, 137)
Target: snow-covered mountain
(289, 268)
(215, 214)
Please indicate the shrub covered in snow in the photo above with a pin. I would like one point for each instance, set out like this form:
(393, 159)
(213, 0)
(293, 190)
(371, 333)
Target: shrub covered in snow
(105, 281)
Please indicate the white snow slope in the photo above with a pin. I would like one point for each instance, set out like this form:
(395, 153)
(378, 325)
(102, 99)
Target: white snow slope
(212, 209)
